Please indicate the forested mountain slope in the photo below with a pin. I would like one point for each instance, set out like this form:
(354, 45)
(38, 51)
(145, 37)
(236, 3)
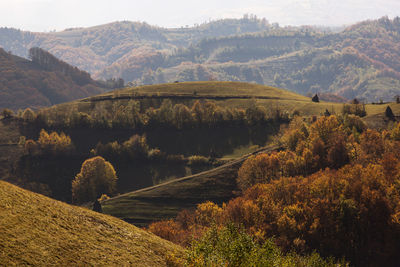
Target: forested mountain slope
(360, 61)
(42, 81)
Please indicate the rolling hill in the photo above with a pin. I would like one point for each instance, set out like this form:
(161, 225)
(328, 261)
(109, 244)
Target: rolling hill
(25, 83)
(225, 94)
(36, 230)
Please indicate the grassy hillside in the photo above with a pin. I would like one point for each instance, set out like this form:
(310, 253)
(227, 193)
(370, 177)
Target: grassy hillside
(167, 199)
(36, 230)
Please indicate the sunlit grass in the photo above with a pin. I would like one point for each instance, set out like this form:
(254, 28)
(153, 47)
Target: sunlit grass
(36, 230)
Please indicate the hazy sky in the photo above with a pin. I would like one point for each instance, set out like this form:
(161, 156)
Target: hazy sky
(46, 15)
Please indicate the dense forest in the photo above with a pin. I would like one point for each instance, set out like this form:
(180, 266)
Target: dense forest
(333, 189)
(357, 62)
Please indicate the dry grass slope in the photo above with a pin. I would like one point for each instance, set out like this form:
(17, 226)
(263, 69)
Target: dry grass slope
(36, 230)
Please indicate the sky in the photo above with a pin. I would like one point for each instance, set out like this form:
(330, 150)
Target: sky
(48, 15)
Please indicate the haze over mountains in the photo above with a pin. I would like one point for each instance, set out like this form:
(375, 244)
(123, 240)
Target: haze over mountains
(360, 61)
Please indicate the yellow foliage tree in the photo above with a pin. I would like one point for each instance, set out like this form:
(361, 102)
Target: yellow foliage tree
(97, 177)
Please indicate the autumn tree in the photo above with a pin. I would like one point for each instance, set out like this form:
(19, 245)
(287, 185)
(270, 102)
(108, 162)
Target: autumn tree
(97, 177)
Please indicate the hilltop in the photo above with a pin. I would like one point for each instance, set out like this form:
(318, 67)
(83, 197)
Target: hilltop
(225, 94)
(36, 230)
(25, 83)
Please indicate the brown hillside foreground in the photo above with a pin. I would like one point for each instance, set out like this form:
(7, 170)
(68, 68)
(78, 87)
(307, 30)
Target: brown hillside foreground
(36, 230)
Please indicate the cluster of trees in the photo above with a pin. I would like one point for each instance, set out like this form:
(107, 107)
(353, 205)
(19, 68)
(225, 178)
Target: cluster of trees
(48, 165)
(136, 148)
(49, 144)
(231, 246)
(343, 200)
(355, 108)
(135, 115)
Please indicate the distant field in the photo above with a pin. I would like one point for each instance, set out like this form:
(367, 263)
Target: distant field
(36, 230)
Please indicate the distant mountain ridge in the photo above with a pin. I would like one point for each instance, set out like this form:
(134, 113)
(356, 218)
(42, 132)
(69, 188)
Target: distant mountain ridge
(93, 48)
(361, 61)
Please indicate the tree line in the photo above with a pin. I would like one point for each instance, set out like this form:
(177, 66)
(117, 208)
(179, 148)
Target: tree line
(135, 114)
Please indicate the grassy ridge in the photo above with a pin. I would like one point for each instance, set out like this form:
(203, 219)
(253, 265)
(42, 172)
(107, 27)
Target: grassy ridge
(36, 230)
(215, 88)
